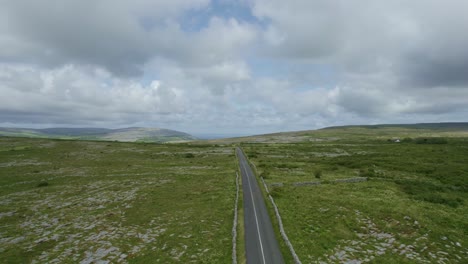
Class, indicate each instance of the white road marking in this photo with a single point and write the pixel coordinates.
(255, 213)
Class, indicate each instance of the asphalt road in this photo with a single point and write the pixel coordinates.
(261, 246)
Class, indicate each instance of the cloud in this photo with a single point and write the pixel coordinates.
(120, 37)
(422, 41)
(254, 65)
(73, 95)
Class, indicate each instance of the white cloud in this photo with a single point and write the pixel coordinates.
(282, 65)
(120, 36)
(70, 94)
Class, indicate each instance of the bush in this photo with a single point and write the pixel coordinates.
(367, 172)
(318, 173)
(407, 140)
(286, 166)
(438, 199)
(265, 174)
(43, 184)
(432, 140)
(429, 192)
(276, 192)
(189, 155)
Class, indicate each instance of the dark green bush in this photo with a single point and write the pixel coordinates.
(287, 166)
(318, 173)
(253, 155)
(429, 192)
(276, 191)
(431, 140)
(43, 184)
(369, 172)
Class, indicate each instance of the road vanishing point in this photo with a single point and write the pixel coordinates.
(261, 246)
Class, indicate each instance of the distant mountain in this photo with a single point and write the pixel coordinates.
(130, 134)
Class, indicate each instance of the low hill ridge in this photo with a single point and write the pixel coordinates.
(334, 132)
(448, 126)
(129, 134)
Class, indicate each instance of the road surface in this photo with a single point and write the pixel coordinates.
(261, 246)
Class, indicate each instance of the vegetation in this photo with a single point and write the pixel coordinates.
(318, 173)
(43, 184)
(372, 194)
(72, 201)
(132, 134)
(412, 208)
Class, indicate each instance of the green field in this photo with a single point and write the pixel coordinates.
(413, 207)
(83, 201)
(346, 195)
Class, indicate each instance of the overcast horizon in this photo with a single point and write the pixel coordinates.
(232, 67)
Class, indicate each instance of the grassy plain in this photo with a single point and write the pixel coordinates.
(412, 209)
(86, 202)
(83, 201)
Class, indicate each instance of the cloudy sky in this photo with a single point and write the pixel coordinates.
(233, 67)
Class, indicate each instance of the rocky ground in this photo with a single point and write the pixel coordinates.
(374, 242)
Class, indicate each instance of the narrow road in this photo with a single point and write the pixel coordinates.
(261, 246)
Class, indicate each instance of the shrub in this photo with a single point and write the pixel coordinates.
(318, 173)
(253, 155)
(437, 199)
(367, 172)
(43, 184)
(265, 174)
(429, 192)
(407, 140)
(276, 192)
(189, 155)
(287, 166)
(432, 140)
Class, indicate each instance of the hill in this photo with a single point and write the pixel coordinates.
(356, 131)
(448, 126)
(131, 134)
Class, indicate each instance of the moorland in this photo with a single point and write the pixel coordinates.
(377, 194)
(86, 201)
(381, 194)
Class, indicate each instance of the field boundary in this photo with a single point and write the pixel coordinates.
(314, 183)
(280, 223)
(234, 225)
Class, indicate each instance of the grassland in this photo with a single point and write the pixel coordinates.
(413, 207)
(86, 202)
(131, 134)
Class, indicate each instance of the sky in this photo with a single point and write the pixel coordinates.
(232, 67)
